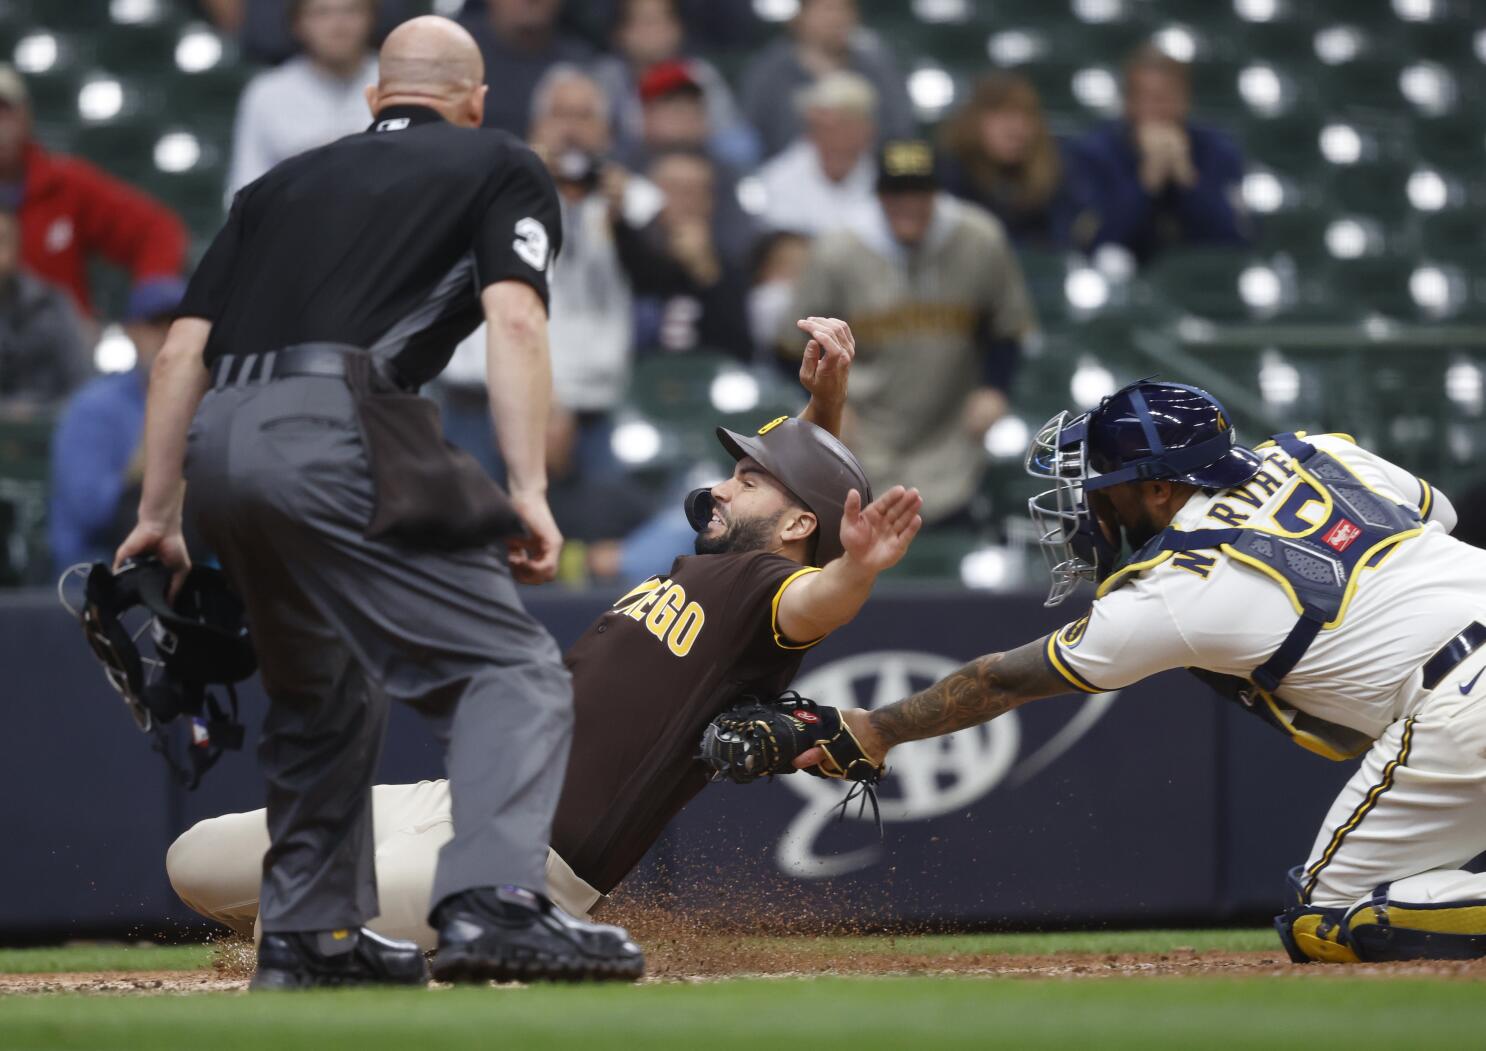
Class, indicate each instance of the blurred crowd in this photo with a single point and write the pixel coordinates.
(703, 214)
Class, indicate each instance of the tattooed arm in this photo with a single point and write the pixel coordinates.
(976, 693)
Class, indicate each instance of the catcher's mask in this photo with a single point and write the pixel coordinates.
(1144, 431)
(200, 638)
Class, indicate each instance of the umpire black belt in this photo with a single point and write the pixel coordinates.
(1448, 656)
(301, 359)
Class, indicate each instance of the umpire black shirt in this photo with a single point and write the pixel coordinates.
(381, 240)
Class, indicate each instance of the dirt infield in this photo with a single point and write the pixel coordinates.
(680, 951)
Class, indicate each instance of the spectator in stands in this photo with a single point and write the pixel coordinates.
(998, 153)
(595, 513)
(933, 293)
(592, 305)
(675, 117)
(521, 42)
(323, 89)
(1159, 179)
(825, 37)
(779, 259)
(826, 174)
(43, 355)
(72, 213)
(691, 296)
(96, 452)
(647, 35)
(264, 28)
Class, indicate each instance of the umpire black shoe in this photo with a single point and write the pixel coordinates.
(509, 934)
(331, 958)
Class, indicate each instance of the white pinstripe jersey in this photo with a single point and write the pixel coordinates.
(1205, 609)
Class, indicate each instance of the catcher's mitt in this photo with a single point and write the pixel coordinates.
(757, 738)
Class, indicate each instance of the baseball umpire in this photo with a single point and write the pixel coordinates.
(1313, 582)
(366, 550)
(786, 553)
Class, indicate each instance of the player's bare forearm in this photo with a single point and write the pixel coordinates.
(816, 605)
(873, 539)
(178, 381)
(519, 378)
(981, 690)
(825, 414)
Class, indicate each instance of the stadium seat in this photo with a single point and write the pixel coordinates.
(1220, 285)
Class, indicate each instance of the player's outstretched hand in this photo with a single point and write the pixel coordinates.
(164, 542)
(876, 537)
(533, 558)
(828, 358)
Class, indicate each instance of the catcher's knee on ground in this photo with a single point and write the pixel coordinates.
(1431, 916)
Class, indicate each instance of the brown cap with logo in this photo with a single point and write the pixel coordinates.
(810, 462)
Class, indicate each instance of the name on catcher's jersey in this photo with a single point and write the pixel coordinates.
(1205, 609)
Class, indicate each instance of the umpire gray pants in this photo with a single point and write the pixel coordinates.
(279, 483)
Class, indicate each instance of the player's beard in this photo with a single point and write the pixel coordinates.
(1137, 533)
(740, 535)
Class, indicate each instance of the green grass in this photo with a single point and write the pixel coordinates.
(877, 1013)
(105, 957)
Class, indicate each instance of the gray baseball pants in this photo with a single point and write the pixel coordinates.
(280, 486)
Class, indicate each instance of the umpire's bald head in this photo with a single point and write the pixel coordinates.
(431, 61)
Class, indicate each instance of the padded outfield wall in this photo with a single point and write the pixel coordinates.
(1157, 804)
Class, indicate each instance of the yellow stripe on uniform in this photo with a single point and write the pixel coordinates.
(1059, 665)
(1313, 874)
(779, 639)
(1426, 499)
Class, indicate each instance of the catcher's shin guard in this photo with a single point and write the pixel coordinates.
(1383, 929)
(1310, 933)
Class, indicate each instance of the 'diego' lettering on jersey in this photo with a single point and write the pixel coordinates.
(662, 606)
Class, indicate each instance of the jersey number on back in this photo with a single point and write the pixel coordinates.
(531, 243)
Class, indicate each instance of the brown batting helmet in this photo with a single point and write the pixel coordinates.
(812, 464)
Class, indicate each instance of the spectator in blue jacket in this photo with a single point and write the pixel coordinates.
(96, 463)
(1161, 180)
(998, 153)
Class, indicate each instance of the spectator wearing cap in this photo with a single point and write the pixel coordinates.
(71, 213)
(676, 118)
(520, 42)
(43, 354)
(826, 36)
(1160, 180)
(97, 461)
(933, 293)
(827, 173)
(312, 98)
(999, 153)
(649, 65)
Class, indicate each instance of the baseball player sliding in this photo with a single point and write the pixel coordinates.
(787, 551)
(1311, 581)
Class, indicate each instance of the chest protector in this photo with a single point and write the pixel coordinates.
(1318, 565)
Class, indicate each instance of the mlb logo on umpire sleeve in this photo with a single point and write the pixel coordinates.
(1340, 536)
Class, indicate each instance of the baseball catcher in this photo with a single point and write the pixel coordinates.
(787, 549)
(1317, 585)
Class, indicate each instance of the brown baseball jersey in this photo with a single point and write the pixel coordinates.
(648, 676)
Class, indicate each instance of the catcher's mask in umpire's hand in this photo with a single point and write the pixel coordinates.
(200, 638)
(1144, 431)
